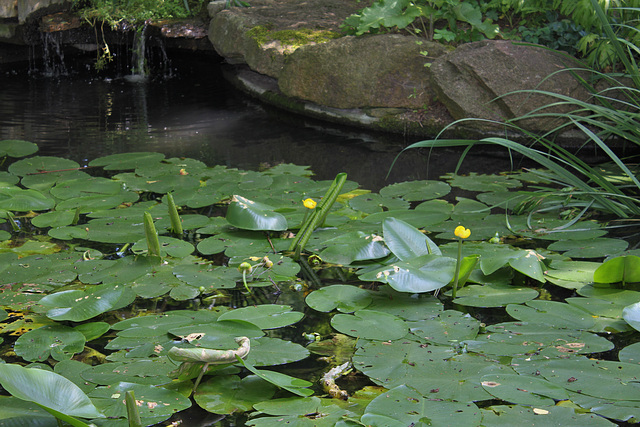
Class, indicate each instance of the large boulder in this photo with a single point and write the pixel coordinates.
(9, 9)
(263, 35)
(355, 72)
(490, 79)
(29, 8)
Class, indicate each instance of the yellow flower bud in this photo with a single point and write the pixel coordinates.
(309, 203)
(462, 232)
(267, 262)
(245, 266)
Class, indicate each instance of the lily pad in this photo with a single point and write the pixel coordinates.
(553, 313)
(17, 148)
(417, 190)
(448, 327)
(229, 394)
(344, 298)
(250, 215)
(403, 406)
(368, 324)
(291, 384)
(152, 401)
(267, 351)
(523, 390)
(48, 389)
(265, 316)
(77, 305)
(58, 341)
(494, 295)
(125, 161)
(591, 248)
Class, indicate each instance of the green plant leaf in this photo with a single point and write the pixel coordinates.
(344, 298)
(368, 324)
(229, 394)
(405, 241)
(291, 384)
(448, 327)
(523, 390)
(625, 269)
(125, 161)
(153, 401)
(494, 295)
(592, 248)
(58, 341)
(403, 406)
(47, 389)
(17, 148)
(77, 305)
(265, 316)
(267, 351)
(249, 215)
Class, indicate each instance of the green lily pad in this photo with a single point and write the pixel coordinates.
(291, 384)
(630, 354)
(447, 327)
(17, 148)
(403, 305)
(229, 394)
(571, 274)
(354, 246)
(523, 390)
(72, 370)
(168, 246)
(493, 295)
(405, 241)
(267, 351)
(553, 313)
(631, 314)
(625, 269)
(591, 248)
(344, 298)
(125, 161)
(598, 378)
(152, 401)
(502, 415)
(58, 341)
(414, 191)
(41, 164)
(372, 203)
(17, 199)
(48, 389)
(422, 274)
(482, 182)
(249, 215)
(265, 316)
(368, 324)
(54, 219)
(404, 406)
(77, 305)
(145, 371)
(16, 412)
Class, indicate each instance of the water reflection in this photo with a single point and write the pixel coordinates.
(197, 114)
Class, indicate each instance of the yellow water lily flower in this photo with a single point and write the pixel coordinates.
(309, 203)
(462, 232)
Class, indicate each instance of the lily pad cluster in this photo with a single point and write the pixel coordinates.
(123, 276)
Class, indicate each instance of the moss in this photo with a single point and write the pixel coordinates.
(295, 38)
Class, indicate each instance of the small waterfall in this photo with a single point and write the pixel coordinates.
(52, 55)
(139, 67)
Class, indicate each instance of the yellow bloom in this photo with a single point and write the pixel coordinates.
(462, 232)
(309, 203)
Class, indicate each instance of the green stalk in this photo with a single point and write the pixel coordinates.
(153, 244)
(133, 414)
(319, 214)
(176, 223)
(456, 276)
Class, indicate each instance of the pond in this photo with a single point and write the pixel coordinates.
(195, 113)
(135, 257)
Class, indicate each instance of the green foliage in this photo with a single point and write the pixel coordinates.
(64, 291)
(116, 12)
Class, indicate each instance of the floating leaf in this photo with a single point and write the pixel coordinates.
(404, 406)
(447, 327)
(625, 269)
(48, 389)
(152, 401)
(417, 190)
(58, 341)
(77, 305)
(229, 394)
(344, 298)
(405, 241)
(523, 390)
(291, 384)
(249, 215)
(591, 248)
(552, 313)
(124, 161)
(369, 324)
(265, 316)
(494, 295)
(17, 148)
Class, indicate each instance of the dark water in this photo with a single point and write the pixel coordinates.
(195, 113)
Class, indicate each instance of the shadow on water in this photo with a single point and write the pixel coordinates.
(195, 113)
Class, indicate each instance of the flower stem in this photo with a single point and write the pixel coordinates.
(456, 276)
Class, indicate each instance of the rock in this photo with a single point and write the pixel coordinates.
(9, 9)
(355, 72)
(28, 8)
(477, 80)
(263, 35)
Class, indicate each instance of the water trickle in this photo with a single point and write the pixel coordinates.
(139, 68)
(53, 55)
